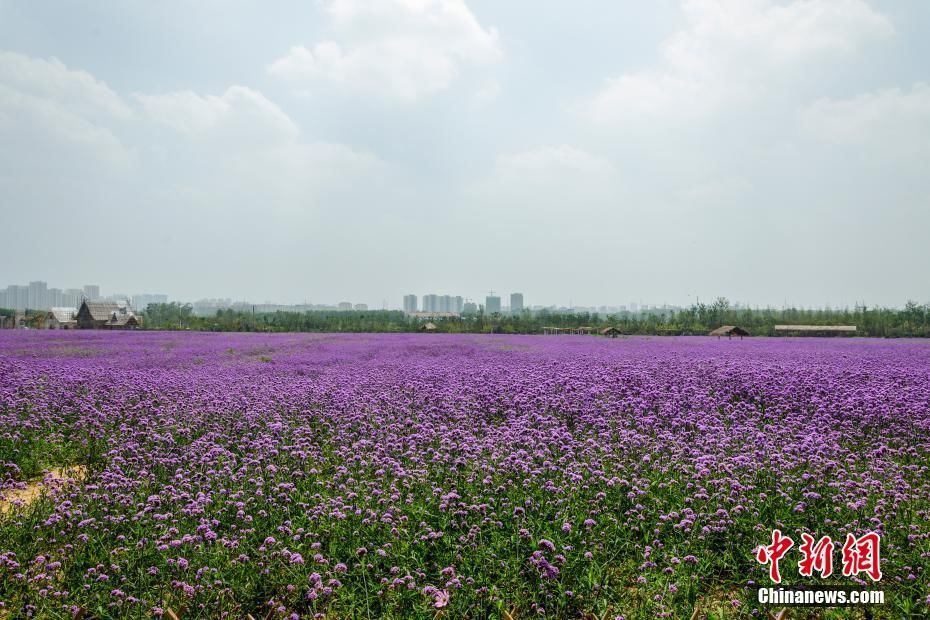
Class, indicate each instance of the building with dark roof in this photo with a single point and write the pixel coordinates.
(101, 314)
(729, 331)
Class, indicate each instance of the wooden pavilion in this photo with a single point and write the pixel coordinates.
(729, 331)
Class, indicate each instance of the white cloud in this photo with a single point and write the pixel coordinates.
(886, 119)
(242, 114)
(405, 49)
(52, 80)
(250, 151)
(63, 113)
(766, 33)
(731, 51)
(664, 96)
(298, 175)
(43, 117)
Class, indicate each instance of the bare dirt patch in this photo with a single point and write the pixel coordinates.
(13, 499)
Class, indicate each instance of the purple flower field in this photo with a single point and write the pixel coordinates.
(424, 476)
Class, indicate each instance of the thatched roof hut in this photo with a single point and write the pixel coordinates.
(611, 332)
(101, 314)
(729, 331)
(428, 327)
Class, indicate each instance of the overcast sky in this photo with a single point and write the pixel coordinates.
(598, 152)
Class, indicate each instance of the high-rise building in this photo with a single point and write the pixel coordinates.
(516, 303)
(17, 296)
(492, 304)
(361, 307)
(431, 303)
(469, 308)
(345, 305)
(92, 291)
(54, 298)
(38, 295)
(71, 297)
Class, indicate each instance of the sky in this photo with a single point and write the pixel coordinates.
(584, 152)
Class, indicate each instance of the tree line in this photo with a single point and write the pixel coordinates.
(911, 321)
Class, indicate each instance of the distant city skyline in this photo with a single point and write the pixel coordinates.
(33, 291)
(37, 295)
